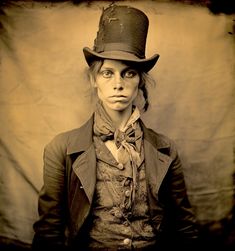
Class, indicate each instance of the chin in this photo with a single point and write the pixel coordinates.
(119, 107)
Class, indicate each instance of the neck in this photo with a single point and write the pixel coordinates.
(119, 118)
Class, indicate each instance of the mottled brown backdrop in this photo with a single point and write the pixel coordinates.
(43, 91)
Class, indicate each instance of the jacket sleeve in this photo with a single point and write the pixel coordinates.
(50, 228)
(182, 222)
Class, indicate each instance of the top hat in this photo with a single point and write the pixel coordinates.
(122, 36)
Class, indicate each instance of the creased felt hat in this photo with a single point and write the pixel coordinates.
(122, 36)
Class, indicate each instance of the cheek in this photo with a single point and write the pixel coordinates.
(135, 92)
(135, 87)
(102, 91)
(100, 83)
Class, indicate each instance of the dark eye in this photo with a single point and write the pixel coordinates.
(106, 73)
(130, 73)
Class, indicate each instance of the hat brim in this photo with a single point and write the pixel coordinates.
(145, 64)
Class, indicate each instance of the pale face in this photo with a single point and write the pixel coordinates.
(117, 85)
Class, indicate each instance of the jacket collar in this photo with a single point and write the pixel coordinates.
(80, 139)
(149, 135)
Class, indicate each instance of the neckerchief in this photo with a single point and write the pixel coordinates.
(128, 140)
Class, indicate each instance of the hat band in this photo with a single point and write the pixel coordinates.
(119, 47)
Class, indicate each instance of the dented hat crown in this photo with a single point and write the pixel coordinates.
(122, 36)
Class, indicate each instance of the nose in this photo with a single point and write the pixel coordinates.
(118, 82)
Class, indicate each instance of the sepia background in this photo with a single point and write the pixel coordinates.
(44, 91)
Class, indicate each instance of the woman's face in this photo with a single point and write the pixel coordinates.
(117, 85)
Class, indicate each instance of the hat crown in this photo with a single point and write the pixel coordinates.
(122, 28)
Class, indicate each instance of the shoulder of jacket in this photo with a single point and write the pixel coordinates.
(161, 139)
(160, 136)
(162, 142)
(63, 139)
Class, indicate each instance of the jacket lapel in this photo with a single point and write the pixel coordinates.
(156, 162)
(85, 169)
(80, 144)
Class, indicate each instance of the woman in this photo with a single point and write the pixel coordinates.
(112, 183)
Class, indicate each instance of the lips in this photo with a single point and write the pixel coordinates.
(118, 96)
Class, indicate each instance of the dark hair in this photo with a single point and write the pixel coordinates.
(145, 79)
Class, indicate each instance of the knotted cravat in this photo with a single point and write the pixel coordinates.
(128, 140)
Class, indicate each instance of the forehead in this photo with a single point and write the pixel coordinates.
(116, 64)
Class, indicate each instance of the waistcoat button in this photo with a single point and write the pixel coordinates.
(127, 193)
(120, 166)
(127, 241)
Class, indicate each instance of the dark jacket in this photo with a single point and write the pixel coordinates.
(69, 182)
